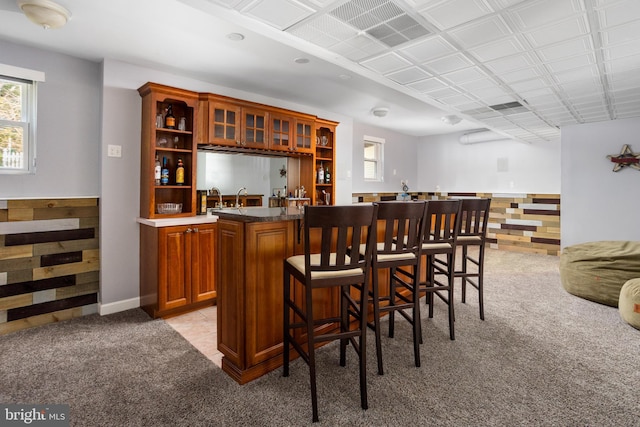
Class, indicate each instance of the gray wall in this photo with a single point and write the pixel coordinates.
(494, 167)
(68, 137)
(597, 203)
(399, 157)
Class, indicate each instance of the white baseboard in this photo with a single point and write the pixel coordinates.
(115, 307)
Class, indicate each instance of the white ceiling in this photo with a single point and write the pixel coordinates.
(522, 68)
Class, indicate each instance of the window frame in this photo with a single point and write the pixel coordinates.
(28, 121)
(378, 158)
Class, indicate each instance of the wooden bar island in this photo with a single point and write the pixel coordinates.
(252, 243)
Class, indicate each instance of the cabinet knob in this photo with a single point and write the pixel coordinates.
(195, 230)
(189, 230)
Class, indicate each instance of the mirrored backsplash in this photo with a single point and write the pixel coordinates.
(229, 172)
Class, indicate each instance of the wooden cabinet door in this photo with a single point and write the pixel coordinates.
(203, 261)
(304, 136)
(174, 251)
(281, 132)
(255, 128)
(225, 120)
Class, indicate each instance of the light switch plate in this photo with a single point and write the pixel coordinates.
(114, 150)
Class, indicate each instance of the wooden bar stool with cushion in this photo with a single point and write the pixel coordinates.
(439, 249)
(401, 222)
(334, 230)
(472, 234)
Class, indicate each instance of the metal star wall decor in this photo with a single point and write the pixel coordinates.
(625, 158)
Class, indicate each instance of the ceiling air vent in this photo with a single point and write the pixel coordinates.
(509, 108)
(381, 19)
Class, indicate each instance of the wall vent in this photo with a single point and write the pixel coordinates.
(509, 108)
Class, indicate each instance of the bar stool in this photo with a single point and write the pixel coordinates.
(472, 234)
(402, 222)
(439, 249)
(334, 229)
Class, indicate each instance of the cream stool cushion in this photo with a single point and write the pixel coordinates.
(629, 303)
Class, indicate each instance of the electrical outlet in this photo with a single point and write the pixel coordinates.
(114, 150)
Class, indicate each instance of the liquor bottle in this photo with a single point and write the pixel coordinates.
(164, 173)
(157, 171)
(321, 174)
(327, 176)
(170, 119)
(180, 172)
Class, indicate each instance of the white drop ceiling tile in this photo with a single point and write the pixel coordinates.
(542, 100)
(425, 50)
(498, 49)
(427, 85)
(448, 64)
(571, 63)
(558, 32)
(526, 94)
(510, 63)
(443, 93)
(621, 33)
(619, 13)
(469, 106)
(505, 3)
(628, 115)
(528, 85)
(326, 24)
(533, 14)
(519, 75)
(498, 99)
(456, 100)
(564, 49)
(465, 75)
(478, 84)
(481, 32)
(621, 50)
(409, 75)
(623, 64)
(486, 93)
(280, 14)
(448, 14)
(580, 74)
(386, 63)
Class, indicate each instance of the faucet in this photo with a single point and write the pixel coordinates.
(217, 190)
(238, 195)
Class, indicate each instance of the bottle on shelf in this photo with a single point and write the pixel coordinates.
(170, 119)
(321, 174)
(180, 172)
(164, 173)
(157, 171)
(327, 175)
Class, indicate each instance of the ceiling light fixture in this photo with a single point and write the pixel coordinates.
(45, 13)
(451, 119)
(236, 37)
(380, 111)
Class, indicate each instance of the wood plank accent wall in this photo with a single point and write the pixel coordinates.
(49, 261)
(517, 222)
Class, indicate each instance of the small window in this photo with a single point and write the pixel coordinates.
(373, 158)
(17, 119)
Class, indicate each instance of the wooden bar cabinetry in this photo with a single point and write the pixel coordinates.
(171, 144)
(177, 271)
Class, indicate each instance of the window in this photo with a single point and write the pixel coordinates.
(373, 158)
(17, 119)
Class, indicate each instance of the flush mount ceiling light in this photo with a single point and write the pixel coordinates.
(236, 37)
(451, 119)
(45, 13)
(380, 111)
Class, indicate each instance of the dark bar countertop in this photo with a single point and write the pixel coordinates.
(259, 214)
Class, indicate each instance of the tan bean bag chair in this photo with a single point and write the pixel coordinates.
(597, 270)
(629, 303)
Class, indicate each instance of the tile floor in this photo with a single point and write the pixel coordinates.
(199, 328)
